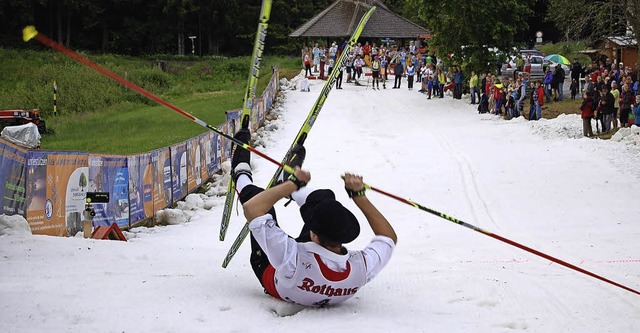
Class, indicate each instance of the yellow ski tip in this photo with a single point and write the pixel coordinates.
(29, 32)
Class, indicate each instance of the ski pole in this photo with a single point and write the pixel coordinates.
(30, 32)
(500, 238)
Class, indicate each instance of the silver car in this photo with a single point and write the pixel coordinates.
(537, 67)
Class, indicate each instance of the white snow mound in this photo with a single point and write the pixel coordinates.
(14, 225)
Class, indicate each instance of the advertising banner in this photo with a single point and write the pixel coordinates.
(57, 191)
(215, 152)
(226, 144)
(13, 179)
(179, 170)
(161, 174)
(204, 151)
(109, 173)
(140, 187)
(194, 173)
(146, 173)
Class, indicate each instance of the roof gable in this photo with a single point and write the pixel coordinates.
(341, 18)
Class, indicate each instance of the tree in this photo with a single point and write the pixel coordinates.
(595, 19)
(471, 31)
(589, 19)
(82, 182)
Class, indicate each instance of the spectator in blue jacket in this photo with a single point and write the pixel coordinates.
(548, 77)
(458, 77)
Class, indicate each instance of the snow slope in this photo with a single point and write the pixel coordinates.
(537, 183)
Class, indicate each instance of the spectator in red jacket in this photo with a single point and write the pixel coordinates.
(540, 103)
(587, 114)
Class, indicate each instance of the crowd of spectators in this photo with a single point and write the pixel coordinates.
(609, 90)
(612, 91)
(409, 63)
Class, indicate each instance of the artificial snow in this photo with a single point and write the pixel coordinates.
(14, 225)
(538, 183)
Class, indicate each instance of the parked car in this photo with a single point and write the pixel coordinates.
(537, 67)
(532, 52)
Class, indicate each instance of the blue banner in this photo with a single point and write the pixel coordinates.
(13, 179)
(215, 152)
(136, 209)
(179, 171)
(109, 173)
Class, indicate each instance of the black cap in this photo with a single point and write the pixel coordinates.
(333, 222)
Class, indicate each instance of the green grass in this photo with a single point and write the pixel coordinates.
(99, 115)
(128, 129)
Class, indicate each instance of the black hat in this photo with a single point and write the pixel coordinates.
(333, 222)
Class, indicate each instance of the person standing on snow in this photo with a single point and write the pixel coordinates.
(540, 101)
(616, 103)
(586, 113)
(562, 74)
(636, 112)
(316, 57)
(358, 64)
(473, 87)
(339, 79)
(411, 71)
(606, 103)
(375, 72)
(314, 269)
(458, 77)
(307, 65)
(323, 60)
(398, 71)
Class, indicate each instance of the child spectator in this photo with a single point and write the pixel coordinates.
(307, 64)
(430, 82)
(574, 88)
(424, 77)
(411, 71)
(503, 100)
(497, 96)
(358, 64)
(511, 105)
(483, 106)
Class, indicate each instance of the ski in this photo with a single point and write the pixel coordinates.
(254, 71)
(306, 126)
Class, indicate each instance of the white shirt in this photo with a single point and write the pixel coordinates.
(298, 263)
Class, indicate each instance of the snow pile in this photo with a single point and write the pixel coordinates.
(287, 85)
(564, 126)
(14, 225)
(171, 216)
(630, 135)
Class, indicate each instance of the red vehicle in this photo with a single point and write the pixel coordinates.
(21, 117)
(423, 41)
